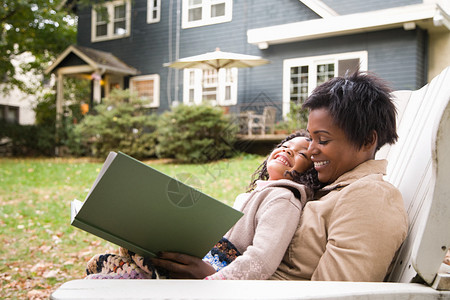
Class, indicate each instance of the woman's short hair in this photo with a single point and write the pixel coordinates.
(359, 104)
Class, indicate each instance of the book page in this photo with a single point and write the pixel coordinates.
(75, 207)
(108, 161)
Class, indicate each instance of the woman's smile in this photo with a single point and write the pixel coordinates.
(320, 164)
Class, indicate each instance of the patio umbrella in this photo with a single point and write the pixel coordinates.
(217, 60)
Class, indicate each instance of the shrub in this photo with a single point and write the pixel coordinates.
(65, 138)
(120, 123)
(297, 117)
(195, 134)
(46, 110)
(27, 140)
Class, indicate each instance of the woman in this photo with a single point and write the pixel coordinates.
(358, 223)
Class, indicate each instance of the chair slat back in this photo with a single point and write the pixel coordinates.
(411, 169)
(270, 114)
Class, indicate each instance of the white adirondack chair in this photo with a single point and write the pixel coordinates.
(419, 165)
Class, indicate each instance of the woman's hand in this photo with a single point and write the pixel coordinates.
(182, 266)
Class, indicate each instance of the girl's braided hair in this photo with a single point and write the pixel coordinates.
(308, 178)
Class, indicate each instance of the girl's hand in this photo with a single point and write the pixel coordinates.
(183, 266)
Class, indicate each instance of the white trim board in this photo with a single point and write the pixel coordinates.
(320, 8)
(349, 24)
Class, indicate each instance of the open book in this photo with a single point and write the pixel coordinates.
(141, 209)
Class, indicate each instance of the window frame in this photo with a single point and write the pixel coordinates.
(110, 35)
(151, 7)
(206, 19)
(193, 87)
(156, 87)
(6, 109)
(312, 62)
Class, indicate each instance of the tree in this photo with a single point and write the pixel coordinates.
(43, 28)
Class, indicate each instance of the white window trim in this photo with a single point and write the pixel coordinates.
(223, 85)
(206, 19)
(197, 86)
(312, 61)
(150, 9)
(156, 87)
(198, 89)
(110, 29)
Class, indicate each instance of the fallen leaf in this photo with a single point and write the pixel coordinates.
(45, 248)
(50, 274)
(38, 294)
(69, 262)
(96, 243)
(41, 267)
(37, 267)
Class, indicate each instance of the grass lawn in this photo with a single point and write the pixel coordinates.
(40, 250)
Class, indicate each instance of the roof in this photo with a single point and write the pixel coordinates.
(97, 59)
(430, 16)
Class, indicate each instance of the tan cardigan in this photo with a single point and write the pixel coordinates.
(351, 233)
(262, 235)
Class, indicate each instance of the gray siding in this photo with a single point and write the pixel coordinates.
(344, 7)
(398, 56)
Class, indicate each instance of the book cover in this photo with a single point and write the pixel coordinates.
(139, 208)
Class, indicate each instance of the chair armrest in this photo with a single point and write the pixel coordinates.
(241, 289)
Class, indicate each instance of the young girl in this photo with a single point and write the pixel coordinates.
(256, 244)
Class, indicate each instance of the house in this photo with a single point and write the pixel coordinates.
(124, 44)
(16, 106)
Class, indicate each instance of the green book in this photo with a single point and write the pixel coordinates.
(141, 209)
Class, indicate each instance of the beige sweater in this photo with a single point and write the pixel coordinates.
(351, 233)
(262, 235)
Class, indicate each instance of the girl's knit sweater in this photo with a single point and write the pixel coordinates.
(271, 216)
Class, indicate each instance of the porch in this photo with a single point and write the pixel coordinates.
(104, 70)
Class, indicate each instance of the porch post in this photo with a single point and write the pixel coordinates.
(59, 108)
(59, 99)
(97, 89)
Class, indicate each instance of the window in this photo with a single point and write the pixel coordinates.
(302, 75)
(210, 86)
(111, 20)
(9, 114)
(153, 11)
(147, 88)
(206, 12)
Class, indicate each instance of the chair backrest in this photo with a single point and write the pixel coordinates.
(270, 114)
(420, 169)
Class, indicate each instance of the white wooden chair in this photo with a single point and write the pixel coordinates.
(419, 165)
(263, 122)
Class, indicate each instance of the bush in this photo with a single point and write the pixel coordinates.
(27, 140)
(297, 117)
(46, 110)
(65, 137)
(195, 134)
(120, 123)
(42, 138)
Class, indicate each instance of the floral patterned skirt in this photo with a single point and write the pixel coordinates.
(222, 254)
